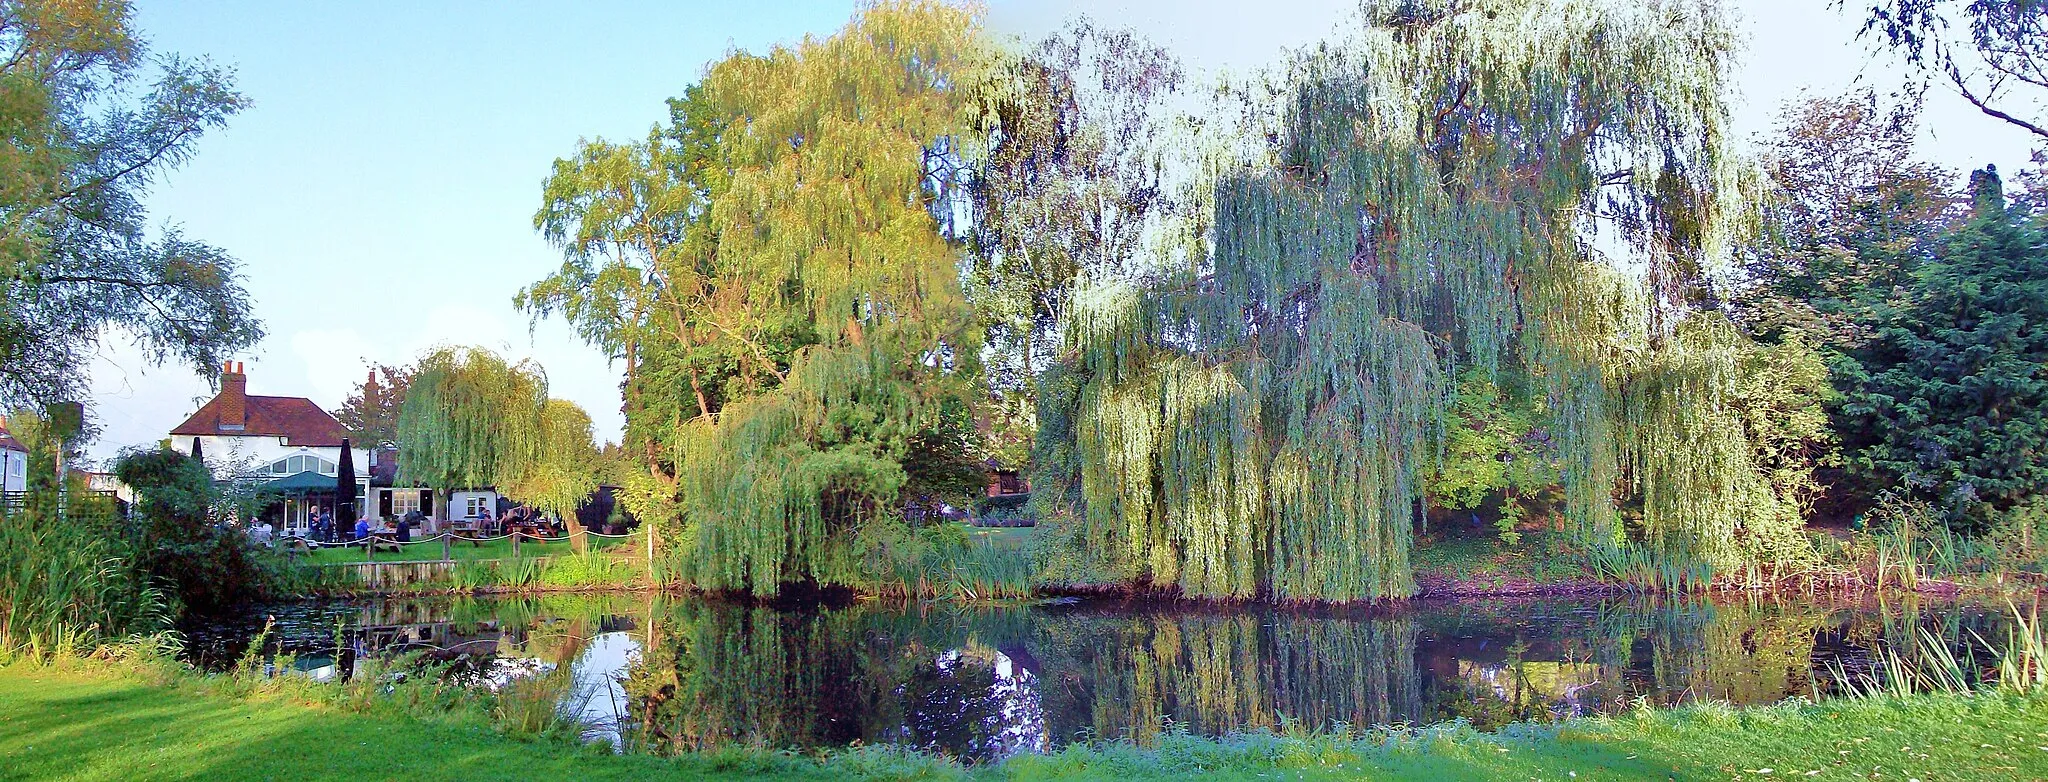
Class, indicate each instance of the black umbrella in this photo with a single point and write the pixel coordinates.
(345, 490)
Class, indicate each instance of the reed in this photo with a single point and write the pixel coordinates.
(2019, 665)
(1642, 569)
(69, 583)
(536, 705)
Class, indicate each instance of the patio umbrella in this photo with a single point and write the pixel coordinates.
(345, 490)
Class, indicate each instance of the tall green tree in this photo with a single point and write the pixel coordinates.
(829, 219)
(1950, 396)
(1850, 216)
(800, 359)
(564, 470)
(1541, 183)
(88, 119)
(470, 420)
(1066, 177)
(1068, 181)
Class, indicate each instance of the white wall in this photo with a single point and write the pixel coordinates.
(231, 455)
(13, 470)
(458, 503)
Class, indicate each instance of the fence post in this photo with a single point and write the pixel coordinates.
(370, 548)
(447, 550)
(648, 527)
(515, 543)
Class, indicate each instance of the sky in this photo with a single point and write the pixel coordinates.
(379, 193)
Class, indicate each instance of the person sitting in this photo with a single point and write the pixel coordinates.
(405, 528)
(362, 529)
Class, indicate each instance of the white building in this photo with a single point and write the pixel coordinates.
(13, 461)
(288, 441)
(296, 446)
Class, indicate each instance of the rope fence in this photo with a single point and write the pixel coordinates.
(448, 540)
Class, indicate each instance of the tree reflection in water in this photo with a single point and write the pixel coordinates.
(984, 682)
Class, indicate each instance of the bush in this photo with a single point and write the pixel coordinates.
(179, 530)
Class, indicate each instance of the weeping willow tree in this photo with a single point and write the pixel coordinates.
(1537, 186)
(471, 419)
(563, 470)
(825, 219)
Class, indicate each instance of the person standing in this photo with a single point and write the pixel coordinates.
(405, 528)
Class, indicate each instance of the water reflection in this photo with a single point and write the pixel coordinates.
(671, 675)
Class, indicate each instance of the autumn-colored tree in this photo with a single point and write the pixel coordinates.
(371, 411)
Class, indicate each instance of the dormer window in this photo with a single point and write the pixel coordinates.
(232, 427)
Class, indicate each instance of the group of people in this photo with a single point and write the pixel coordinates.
(323, 528)
(518, 518)
(326, 530)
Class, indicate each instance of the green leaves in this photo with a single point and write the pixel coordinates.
(1530, 188)
(78, 260)
(1948, 396)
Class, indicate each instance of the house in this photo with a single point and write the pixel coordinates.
(287, 442)
(13, 462)
(389, 500)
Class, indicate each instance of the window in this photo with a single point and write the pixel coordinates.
(403, 501)
(293, 465)
(479, 506)
(17, 466)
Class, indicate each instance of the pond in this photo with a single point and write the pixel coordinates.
(983, 682)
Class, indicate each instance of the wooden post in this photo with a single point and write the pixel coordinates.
(447, 551)
(370, 548)
(652, 579)
(515, 544)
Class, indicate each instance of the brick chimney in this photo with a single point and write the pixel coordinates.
(234, 397)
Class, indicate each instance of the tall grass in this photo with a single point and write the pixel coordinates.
(2019, 664)
(537, 705)
(947, 561)
(1641, 569)
(594, 569)
(68, 581)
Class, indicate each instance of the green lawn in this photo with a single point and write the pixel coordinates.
(431, 550)
(1012, 537)
(91, 725)
(1480, 558)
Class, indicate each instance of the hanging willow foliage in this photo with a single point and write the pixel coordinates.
(470, 419)
(563, 471)
(1537, 182)
(827, 219)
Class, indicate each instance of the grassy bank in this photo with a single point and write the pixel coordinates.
(78, 720)
(954, 562)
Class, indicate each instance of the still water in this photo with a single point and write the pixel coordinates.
(982, 682)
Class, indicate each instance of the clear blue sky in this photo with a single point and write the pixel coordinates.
(380, 191)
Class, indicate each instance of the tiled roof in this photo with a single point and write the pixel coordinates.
(295, 418)
(7, 441)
